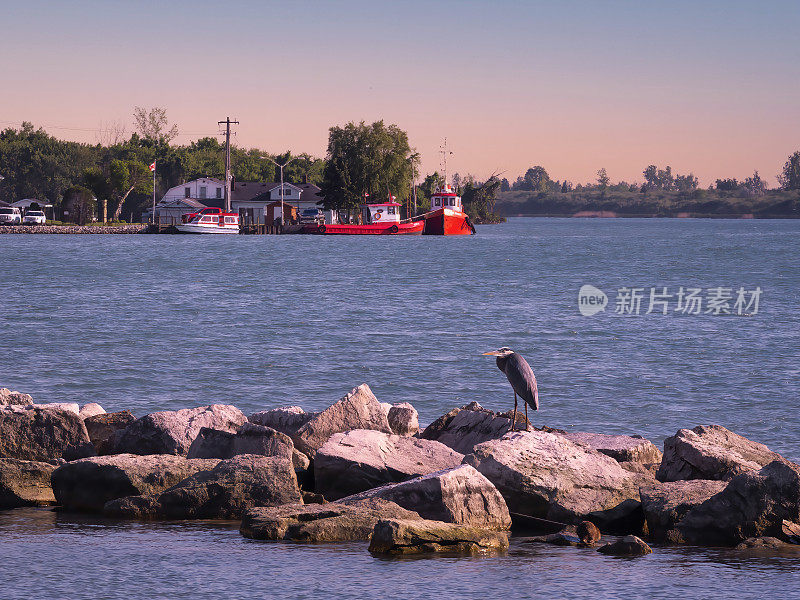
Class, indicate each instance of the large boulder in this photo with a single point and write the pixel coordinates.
(248, 439)
(362, 459)
(103, 429)
(751, 505)
(622, 448)
(42, 434)
(286, 419)
(173, 431)
(711, 452)
(332, 522)
(403, 419)
(25, 483)
(398, 536)
(89, 483)
(224, 492)
(547, 476)
(463, 428)
(460, 495)
(8, 397)
(665, 504)
(90, 410)
(359, 409)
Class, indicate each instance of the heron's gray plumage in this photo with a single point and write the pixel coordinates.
(521, 377)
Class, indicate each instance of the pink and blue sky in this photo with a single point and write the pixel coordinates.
(711, 87)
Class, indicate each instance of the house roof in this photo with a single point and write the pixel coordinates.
(26, 203)
(252, 191)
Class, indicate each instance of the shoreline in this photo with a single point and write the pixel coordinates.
(75, 229)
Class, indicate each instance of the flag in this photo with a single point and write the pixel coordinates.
(392, 198)
(153, 166)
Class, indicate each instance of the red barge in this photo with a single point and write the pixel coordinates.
(379, 219)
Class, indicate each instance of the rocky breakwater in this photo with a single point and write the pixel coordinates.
(359, 470)
(76, 229)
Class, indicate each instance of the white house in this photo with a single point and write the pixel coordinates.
(248, 198)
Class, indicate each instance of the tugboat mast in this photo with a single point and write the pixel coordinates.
(444, 152)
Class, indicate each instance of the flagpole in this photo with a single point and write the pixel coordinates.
(153, 216)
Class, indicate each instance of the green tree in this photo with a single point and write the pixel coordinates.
(754, 185)
(603, 180)
(536, 178)
(79, 205)
(153, 125)
(365, 159)
(686, 183)
(790, 176)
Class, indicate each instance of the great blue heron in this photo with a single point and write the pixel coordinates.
(521, 377)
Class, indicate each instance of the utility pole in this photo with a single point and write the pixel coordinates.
(228, 124)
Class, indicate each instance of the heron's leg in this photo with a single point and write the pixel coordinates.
(514, 420)
(527, 423)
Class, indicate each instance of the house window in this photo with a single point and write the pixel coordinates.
(219, 192)
(203, 191)
(187, 192)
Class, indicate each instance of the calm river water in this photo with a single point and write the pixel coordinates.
(146, 323)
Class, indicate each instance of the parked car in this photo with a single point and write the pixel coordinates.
(312, 215)
(34, 217)
(10, 216)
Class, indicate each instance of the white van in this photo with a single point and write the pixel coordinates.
(10, 216)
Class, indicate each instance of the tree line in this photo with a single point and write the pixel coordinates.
(661, 193)
(536, 179)
(364, 162)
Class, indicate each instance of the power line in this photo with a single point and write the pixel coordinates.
(105, 129)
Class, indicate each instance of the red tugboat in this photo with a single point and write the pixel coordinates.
(378, 219)
(447, 216)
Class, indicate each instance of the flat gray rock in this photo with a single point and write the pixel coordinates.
(173, 431)
(87, 484)
(355, 461)
(397, 536)
(711, 452)
(463, 428)
(459, 495)
(359, 409)
(331, 522)
(286, 419)
(547, 476)
(622, 448)
(25, 483)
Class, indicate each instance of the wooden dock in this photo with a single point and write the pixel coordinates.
(246, 227)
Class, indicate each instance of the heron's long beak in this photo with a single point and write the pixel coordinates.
(492, 353)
